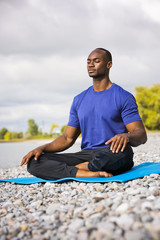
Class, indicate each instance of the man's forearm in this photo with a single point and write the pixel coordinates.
(59, 144)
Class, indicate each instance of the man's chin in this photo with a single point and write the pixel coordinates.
(92, 74)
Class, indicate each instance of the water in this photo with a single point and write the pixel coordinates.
(12, 153)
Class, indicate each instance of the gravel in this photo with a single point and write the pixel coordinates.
(74, 210)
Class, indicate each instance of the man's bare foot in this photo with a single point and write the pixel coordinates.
(105, 174)
(83, 166)
(84, 173)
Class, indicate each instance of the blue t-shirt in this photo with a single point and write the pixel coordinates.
(102, 115)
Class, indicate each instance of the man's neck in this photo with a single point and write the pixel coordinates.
(101, 84)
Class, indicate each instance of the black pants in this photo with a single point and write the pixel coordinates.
(54, 166)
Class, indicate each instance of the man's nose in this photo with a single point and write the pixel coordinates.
(91, 64)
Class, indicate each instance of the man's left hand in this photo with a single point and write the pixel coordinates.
(118, 142)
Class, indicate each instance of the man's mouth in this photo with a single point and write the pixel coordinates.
(91, 70)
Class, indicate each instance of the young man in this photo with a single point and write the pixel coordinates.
(108, 119)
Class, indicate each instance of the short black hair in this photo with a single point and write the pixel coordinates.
(109, 55)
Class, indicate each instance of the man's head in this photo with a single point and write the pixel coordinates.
(99, 62)
(108, 54)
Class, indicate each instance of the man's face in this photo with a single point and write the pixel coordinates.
(97, 64)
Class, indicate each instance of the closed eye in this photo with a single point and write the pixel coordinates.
(96, 60)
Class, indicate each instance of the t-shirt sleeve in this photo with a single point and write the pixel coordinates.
(129, 111)
(73, 117)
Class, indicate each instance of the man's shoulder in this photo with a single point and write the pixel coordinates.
(122, 96)
(79, 97)
(121, 91)
(81, 94)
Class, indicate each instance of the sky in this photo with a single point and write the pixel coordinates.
(44, 47)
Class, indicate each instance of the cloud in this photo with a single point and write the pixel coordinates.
(32, 77)
(66, 27)
(152, 9)
(45, 44)
(39, 87)
(44, 27)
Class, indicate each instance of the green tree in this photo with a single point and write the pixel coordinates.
(32, 128)
(17, 135)
(8, 136)
(3, 131)
(53, 126)
(148, 100)
(20, 135)
(63, 129)
(14, 135)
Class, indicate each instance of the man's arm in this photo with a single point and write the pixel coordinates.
(61, 143)
(136, 135)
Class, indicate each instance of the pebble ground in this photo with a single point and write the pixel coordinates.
(83, 211)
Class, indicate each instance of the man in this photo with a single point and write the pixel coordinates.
(108, 119)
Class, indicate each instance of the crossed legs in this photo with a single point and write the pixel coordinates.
(86, 163)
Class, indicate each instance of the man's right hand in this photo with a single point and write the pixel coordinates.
(61, 143)
(34, 153)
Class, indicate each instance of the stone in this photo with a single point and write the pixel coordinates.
(7, 204)
(122, 208)
(134, 235)
(76, 225)
(154, 191)
(82, 236)
(147, 205)
(147, 218)
(124, 221)
(107, 228)
(154, 175)
(132, 191)
(23, 227)
(73, 192)
(51, 209)
(18, 202)
(39, 196)
(100, 208)
(150, 198)
(78, 211)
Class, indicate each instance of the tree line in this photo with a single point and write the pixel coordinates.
(148, 101)
(33, 131)
(7, 135)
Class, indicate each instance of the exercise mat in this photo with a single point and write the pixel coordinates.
(144, 169)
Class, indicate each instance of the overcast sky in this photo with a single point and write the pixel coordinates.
(44, 45)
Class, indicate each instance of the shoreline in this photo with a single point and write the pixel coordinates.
(32, 139)
(52, 138)
(25, 140)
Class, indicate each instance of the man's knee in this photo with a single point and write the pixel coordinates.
(37, 167)
(115, 163)
(30, 166)
(121, 166)
(34, 167)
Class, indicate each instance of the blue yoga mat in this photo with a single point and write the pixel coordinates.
(139, 171)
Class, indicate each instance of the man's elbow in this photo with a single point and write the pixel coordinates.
(69, 140)
(144, 138)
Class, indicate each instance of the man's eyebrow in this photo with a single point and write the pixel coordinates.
(93, 58)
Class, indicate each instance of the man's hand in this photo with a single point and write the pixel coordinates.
(61, 143)
(118, 142)
(35, 152)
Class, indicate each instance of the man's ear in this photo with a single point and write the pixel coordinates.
(109, 64)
